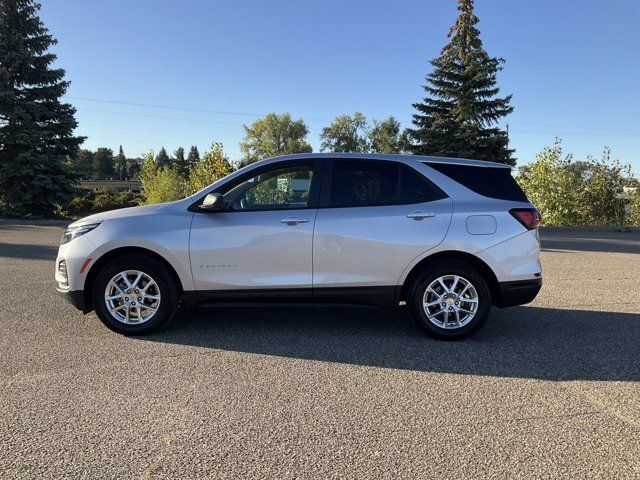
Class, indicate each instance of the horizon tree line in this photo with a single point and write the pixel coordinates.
(41, 158)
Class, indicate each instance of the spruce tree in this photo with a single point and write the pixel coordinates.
(121, 164)
(36, 129)
(180, 163)
(458, 116)
(194, 156)
(162, 159)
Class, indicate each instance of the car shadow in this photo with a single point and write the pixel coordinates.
(28, 251)
(613, 242)
(525, 342)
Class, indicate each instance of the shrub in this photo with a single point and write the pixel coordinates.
(634, 207)
(552, 186)
(571, 193)
(161, 184)
(213, 166)
(100, 200)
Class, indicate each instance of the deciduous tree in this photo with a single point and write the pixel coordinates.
(272, 136)
(386, 137)
(346, 134)
(213, 166)
(103, 163)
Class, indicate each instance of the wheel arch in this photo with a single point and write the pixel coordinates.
(468, 258)
(117, 252)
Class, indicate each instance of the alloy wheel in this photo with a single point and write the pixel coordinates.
(450, 301)
(132, 297)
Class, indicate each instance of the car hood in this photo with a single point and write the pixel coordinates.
(128, 212)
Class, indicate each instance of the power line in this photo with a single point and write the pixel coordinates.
(126, 114)
(257, 115)
(176, 107)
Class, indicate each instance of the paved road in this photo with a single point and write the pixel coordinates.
(549, 390)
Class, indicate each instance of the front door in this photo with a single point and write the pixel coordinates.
(263, 238)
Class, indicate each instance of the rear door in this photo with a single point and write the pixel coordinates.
(375, 217)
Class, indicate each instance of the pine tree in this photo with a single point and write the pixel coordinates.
(36, 129)
(194, 156)
(459, 115)
(179, 163)
(121, 164)
(162, 159)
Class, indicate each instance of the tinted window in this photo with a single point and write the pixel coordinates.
(359, 183)
(415, 188)
(278, 189)
(490, 182)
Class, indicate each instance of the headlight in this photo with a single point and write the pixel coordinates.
(75, 232)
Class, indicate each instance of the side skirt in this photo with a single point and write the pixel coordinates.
(329, 296)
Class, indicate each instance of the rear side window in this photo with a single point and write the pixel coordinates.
(415, 188)
(362, 183)
(357, 183)
(487, 181)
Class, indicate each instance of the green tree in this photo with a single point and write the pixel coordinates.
(121, 164)
(162, 159)
(161, 184)
(103, 163)
(82, 163)
(553, 186)
(634, 209)
(213, 166)
(458, 117)
(36, 129)
(386, 137)
(602, 182)
(346, 134)
(133, 168)
(272, 136)
(194, 156)
(180, 163)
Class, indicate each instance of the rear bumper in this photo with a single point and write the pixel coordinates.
(519, 292)
(75, 298)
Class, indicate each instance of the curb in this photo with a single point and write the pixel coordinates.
(589, 229)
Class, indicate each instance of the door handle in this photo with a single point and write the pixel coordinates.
(294, 220)
(418, 215)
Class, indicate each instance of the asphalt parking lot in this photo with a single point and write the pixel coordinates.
(547, 390)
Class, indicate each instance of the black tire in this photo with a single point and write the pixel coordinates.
(166, 284)
(432, 273)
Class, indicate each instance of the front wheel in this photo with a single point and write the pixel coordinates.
(134, 295)
(450, 300)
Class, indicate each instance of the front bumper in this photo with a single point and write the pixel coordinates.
(75, 298)
(519, 292)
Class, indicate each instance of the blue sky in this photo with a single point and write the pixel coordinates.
(571, 65)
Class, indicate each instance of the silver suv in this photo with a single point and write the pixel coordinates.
(447, 238)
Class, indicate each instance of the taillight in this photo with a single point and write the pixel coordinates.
(528, 217)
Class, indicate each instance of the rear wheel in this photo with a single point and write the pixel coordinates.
(134, 295)
(450, 300)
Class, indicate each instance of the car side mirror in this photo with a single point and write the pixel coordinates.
(212, 202)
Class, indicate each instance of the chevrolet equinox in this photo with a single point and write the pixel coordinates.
(447, 238)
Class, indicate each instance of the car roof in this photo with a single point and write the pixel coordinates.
(396, 157)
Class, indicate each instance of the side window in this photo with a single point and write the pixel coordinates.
(358, 183)
(415, 188)
(281, 189)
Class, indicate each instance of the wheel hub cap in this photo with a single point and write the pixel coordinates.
(132, 297)
(450, 301)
